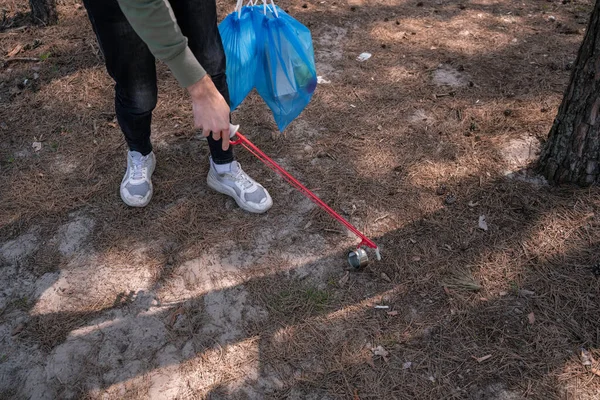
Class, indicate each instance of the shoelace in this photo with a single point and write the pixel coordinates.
(138, 167)
(243, 178)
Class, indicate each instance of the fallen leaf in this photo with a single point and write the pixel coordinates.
(37, 146)
(525, 292)
(392, 313)
(595, 371)
(344, 279)
(15, 51)
(112, 124)
(416, 258)
(385, 277)
(482, 359)
(473, 204)
(380, 351)
(482, 223)
(18, 329)
(369, 361)
(174, 316)
(356, 394)
(586, 357)
(531, 318)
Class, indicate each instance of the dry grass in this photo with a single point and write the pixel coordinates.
(377, 144)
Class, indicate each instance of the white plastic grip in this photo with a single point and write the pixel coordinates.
(233, 129)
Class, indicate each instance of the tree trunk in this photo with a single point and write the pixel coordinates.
(44, 12)
(572, 152)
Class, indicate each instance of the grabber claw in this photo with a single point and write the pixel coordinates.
(357, 258)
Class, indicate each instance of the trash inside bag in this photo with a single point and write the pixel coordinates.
(286, 76)
(239, 42)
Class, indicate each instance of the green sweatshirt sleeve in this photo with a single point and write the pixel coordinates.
(155, 23)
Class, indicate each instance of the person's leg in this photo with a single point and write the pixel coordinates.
(132, 66)
(198, 22)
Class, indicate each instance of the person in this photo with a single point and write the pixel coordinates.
(184, 34)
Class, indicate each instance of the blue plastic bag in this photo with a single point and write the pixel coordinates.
(239, 42)
(286, 76)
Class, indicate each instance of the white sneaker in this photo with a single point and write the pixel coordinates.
(136, 187)
(247, 193)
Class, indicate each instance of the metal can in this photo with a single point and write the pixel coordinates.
(358, 258)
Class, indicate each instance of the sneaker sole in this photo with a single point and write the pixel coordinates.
(216, 185)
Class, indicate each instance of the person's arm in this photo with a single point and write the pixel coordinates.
(155, 23)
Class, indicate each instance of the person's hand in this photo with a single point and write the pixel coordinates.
(211, 112)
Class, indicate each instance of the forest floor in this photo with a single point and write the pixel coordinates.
(489, 278)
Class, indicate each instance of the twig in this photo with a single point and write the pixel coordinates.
(380, 218)
(357, 96)
(18, 28)
(18, 59)
(437, 96)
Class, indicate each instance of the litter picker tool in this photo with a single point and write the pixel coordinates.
(357, 258)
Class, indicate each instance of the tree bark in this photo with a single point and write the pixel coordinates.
(572, 152)
(43, 12)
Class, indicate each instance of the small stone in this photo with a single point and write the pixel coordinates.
(441, 190)
(450, 199)
(552, 18)
(3, 126)
(406, 365)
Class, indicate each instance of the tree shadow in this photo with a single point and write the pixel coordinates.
(317, 338)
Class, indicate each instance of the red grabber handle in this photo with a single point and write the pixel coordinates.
(248, 145)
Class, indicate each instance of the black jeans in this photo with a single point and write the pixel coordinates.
(132, 66)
